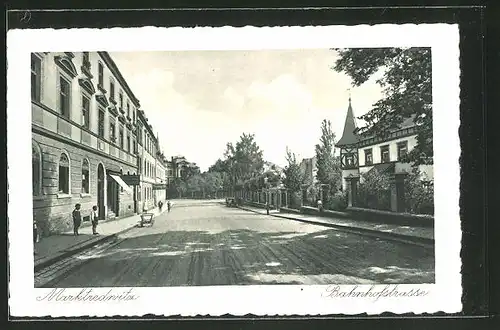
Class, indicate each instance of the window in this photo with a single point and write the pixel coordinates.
(85, 177)
(100, 126)
(121, 100)
(101, 74)
(349, 160)
(135, 147)
(133, 115)
(36, 163)
(112, 131)
(121, 137)
(384, 154)
(112, 90)
(402, 149)
(85, 111)
(145, 168)
(128, 143)
(36, 71)
(128, 109)
(64, 174)
(86, 59)
(368, 157)
(64, 96)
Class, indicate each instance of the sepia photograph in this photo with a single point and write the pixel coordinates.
(116, 152)
(228, 168)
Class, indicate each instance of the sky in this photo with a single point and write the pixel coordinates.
(198, 101)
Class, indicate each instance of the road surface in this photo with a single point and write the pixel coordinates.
(200, 243)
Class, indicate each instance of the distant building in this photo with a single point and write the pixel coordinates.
(360, 155)
(180, 167)
(147, 158)
(160, 186)
(309, 169)
(83, 137)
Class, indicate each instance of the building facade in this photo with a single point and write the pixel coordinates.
(147, 149)
(360, 155)
(309, 169)
(160, 187)
(83, 138)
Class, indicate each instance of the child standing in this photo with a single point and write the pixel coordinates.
(77, 219)
(94, 219)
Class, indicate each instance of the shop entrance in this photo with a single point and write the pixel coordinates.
(100, 191)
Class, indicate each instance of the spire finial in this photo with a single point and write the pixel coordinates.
(349, 90)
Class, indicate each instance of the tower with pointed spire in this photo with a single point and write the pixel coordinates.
(348, 146)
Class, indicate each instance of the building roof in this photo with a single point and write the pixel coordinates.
(350, 126)
(348, 136)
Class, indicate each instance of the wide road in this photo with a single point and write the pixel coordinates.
(200, 243)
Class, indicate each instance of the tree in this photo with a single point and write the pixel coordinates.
(293, 175)
(407, 88)
(244, 160)
(327, 164)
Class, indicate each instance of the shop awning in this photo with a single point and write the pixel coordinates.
(122, 183)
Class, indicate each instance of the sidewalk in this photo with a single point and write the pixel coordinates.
(415, 235)
(56, 247)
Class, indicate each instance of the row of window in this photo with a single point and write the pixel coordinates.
(402, 149)
(63, 173)
(64, 104)
(100, 70)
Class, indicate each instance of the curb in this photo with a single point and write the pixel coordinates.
(79, 247)
(415, 240)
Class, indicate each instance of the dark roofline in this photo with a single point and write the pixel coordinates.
(116, 72)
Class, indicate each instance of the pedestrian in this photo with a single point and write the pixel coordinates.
(169, 205)
(94, 219)
(77, 219)
(320, 206)
(160, 205)
(35, 236)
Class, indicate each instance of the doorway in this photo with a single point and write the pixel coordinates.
(100, 192)
(112, 200)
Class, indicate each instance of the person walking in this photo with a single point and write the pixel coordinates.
(35, 236)
(77, 219)
(160, 205)
(169, 205)
(94, 220)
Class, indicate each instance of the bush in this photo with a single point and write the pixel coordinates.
(419, 195)
(312, 194)
(295, 200)
(337, 202)
(374, 191)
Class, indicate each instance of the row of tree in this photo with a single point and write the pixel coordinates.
(406, 83)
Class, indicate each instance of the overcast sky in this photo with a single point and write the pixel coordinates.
(198, 101)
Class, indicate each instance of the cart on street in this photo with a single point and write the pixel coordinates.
(147, 218)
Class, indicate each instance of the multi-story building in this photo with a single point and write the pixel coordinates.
(83, 115)
(147, 159)
(362, 154)
(160, 187)
(181, 167)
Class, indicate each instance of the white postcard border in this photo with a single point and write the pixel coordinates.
(444, 295)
